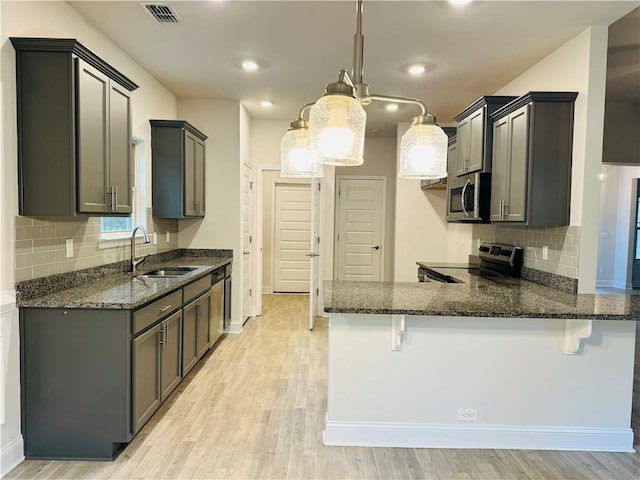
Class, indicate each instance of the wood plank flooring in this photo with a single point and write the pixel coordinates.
(254, 408)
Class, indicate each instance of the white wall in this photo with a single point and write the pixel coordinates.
(151, 100)
(221, 227)
(380, 160)
(617, 226)
(421, 231)
(578, 66)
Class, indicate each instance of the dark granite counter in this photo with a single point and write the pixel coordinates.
(478, 296)
(125, 291)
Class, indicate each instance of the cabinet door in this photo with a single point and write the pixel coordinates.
(146, 377)
(199, 178)
(170, 355)
(120, 171)
(227, 301)
(189, 175)
(452, 160)
(204, 310)
(462, 159)
(516, 203)
(500, 168)
(475, 160)
(93, 139)
(189, 337)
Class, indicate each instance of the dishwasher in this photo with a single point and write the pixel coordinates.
(216, 315)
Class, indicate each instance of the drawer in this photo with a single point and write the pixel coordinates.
(217, 275)
(156, 310)
(196, 288)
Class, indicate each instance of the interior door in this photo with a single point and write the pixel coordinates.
(360, 229)
(292, 231)
(314, 251)
(247, 239)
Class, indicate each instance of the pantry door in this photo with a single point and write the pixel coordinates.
(291, 238)
(360, 217)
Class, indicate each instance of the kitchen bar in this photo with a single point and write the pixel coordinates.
(479, 364)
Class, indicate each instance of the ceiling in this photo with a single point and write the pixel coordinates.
(469, 51)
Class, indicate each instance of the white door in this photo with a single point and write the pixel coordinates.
(247, 238)
(292, 233)
(360, 229)
(314, 252)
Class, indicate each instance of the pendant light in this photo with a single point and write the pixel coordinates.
(298, 159)
(337, 124)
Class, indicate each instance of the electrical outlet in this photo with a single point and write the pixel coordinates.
(155, 238)
(68, 247)
(467, 414)
(604, 235)
(545, 252)
(168, 236)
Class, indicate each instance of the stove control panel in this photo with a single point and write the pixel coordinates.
(496, 252)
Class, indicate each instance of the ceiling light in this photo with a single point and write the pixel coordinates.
(459, 2)
(250, 65)
(416, 69)
(392, 107)
(266, 103)
(337, 121)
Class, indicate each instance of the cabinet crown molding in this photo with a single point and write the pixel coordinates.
(72, 46)
(533, 97)
(495, 101)
(179, 124)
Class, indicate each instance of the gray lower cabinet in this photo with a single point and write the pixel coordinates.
(156, 367)
(178, 173)
(91, 379)
(532, 146)
(74, 131)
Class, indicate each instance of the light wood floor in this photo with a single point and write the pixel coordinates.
(254, 408)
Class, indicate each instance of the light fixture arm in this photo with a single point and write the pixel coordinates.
(390, 99)
(305, 109)
(358, 46)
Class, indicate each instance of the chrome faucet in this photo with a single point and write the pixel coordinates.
(136, 261)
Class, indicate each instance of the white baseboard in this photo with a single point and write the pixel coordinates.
(622, 285)
(234, 328)
(406, 435)
(604, 284)
(266, 290)
(11, 456)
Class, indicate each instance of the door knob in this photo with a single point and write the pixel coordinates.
(376, 247)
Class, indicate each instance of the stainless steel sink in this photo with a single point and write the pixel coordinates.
(169, 272)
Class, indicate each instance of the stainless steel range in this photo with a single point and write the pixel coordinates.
(496, 260)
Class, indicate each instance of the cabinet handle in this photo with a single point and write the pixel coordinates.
(165, 308)
(506, 209)
(198, 309)
(501, 210)
(115, 198)
(166, 336)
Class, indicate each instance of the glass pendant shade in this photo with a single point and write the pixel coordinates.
(423, 152)
(337, 125)
(297, 158)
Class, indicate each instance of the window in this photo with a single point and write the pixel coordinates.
(120, 227)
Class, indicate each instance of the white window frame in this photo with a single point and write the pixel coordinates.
(138, 214)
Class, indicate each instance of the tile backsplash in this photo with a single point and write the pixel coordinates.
(563, 243)
(40, 244)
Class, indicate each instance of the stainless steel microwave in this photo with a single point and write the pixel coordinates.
(469, 198)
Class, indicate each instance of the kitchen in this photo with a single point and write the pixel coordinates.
(229, 128)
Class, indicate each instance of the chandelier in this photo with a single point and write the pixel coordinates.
(334, 132)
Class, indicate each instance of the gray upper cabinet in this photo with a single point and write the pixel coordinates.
(178, 176)
(533, 141)
(74, 131)
(474, 136)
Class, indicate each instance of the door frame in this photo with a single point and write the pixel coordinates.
(336, 219)
(274, 184)
(252, 277)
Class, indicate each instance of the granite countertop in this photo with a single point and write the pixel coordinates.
(124, 291)
(476, 297)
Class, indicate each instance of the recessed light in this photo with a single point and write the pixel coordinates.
(266, 103)
(250, 65)
(375, 130)
(417, 69)
(392, 107)
(459, 2)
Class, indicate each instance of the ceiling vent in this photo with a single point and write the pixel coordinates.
(161, 12)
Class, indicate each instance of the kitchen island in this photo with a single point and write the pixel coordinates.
(482, 364)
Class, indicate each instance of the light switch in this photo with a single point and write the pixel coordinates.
(69, 247)
(545, 252)
(155, 238)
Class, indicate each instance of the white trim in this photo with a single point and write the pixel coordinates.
(623, 285)
(604, 284)
(7, 301)
(234, 328)
(11, 456)
(408, 435)
(266, 289)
